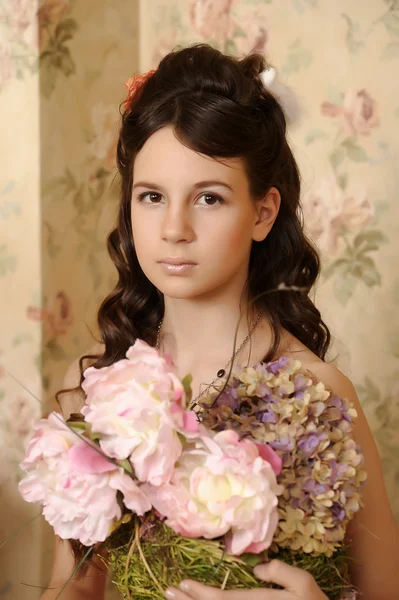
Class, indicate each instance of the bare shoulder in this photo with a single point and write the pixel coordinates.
(72, 400)
(373, 534)
(327, 373)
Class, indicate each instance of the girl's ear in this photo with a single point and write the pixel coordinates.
(267, 210)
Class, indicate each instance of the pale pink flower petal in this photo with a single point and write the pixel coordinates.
(270, 456)
(75, 484)
(86, 459)
(360, 112)
(190, 424)
(133, 496)
(221, 485)
(138, 407)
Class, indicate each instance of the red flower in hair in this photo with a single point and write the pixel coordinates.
(134, 85)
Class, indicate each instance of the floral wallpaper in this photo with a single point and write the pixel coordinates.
(63, 64)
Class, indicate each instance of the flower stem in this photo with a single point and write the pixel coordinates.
(143, 558)
(127, 564)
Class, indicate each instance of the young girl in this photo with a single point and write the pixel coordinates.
(208, 220)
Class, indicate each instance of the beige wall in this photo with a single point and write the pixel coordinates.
(59, 126)
(20, 283)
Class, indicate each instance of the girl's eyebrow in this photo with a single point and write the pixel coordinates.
(199, 184)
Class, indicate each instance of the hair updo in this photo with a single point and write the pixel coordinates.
(219, 107)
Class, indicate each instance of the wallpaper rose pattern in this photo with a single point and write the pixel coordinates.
(62, 68)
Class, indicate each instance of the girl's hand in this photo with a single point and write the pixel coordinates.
(297, 584)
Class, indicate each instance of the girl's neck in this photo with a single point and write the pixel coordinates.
(194, 332)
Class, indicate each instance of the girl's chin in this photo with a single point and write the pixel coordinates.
(179, 289)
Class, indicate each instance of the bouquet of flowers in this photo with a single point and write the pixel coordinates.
(266, 468)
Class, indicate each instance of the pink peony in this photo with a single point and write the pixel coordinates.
(359, 112)
(222, 485)
(211, 19)
(329, 211)
(256, 33)
(138, 406)
(57, 315)
(76, 484)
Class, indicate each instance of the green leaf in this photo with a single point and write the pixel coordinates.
(297, 58)
(175, 18)
(391, 50)
(369, 393)
(21, 338)
(382, 414)
(252, 559)
(239, 32)
(392, 4)
(355, 152)
(187, 381)
(65, 30)
(368, 241)
(336, 157)
(62, 185)
(78, 426)
(126, 518)
(343, 181)
(78, 199)
(353, 42)
(52, 185)
(8, 261)
(372, 389)
(56, 352)
(48, 77)
(51, 245)
(315, 134)
(330, 269)
(391, 22)
(230, 47)
(126, 466)
(66, 63)
(344, 284)
(367, 271)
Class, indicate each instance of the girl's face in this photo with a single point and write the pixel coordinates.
(193, 219)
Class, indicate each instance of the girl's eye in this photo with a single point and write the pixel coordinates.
(212, 199)
(153, 197)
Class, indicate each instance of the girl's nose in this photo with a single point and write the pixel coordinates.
(177, 226)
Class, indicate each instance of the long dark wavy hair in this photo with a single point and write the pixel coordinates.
(217, 106)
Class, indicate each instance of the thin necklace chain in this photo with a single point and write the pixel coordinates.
(222, 372)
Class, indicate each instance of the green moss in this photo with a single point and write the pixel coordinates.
(145, 559)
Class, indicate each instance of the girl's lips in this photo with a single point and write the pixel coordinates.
(177, 261)
(177, 268)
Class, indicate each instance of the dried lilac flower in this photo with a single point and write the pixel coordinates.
(310, 428)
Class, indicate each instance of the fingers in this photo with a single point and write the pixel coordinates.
(289, 577)
(193, 590)
(175, 594)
